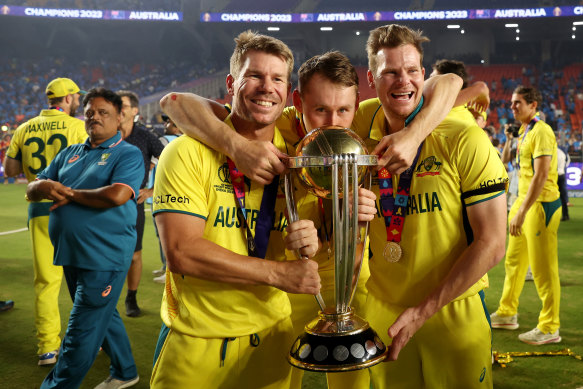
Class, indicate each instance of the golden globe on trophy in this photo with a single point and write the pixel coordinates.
(332, 162)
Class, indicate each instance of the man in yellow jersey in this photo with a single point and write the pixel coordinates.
(34, 145)
(473, 99)
(533, 222)
(440, 229)
(327, 94)
(225, 308)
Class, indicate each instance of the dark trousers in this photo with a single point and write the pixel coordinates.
(562, 182)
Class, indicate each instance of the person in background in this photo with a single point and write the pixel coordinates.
(34, 145)
(136, 134)
(533, 222)
(92, 188)
(563, 161)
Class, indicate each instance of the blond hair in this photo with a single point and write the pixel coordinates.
(391, 36)
(251, 41)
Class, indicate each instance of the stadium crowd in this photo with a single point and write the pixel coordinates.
(22, 81)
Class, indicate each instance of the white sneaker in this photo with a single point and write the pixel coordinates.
(161, 279)
(114, 383)
(537, 337)
(504, 322)
(159, 272)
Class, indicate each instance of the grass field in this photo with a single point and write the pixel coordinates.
(18, 360)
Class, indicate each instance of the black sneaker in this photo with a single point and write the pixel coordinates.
(6, 305)
(132, 309)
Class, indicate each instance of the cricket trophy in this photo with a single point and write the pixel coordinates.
(332, 162)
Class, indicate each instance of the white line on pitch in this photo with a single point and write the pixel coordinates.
(13, 231)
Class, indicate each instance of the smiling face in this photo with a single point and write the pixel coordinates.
(325, 103)
(522, 110)
(260, 89)
(398, 81)
(101, 120)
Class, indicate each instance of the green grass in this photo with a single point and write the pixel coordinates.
(17, 333)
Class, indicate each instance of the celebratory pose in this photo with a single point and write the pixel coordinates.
(225, 310)
(440, 229)
(93, 187)
(533, 222)
(34, 145)
(327, 94)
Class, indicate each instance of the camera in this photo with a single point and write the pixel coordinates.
(513, 129)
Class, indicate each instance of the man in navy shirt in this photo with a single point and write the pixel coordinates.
(92, 227)
(136, 134)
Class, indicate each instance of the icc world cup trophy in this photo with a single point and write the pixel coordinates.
(332, 162)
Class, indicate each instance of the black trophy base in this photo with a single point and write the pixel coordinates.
(337, 342)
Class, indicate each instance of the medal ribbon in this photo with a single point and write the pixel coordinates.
(530, 125)
(394, 208)
(256, 246)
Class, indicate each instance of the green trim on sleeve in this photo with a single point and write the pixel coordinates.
(486, 199)
(176, 211)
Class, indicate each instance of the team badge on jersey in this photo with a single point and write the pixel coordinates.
(430, 166)
(223, 173)
(73, 158)
(104, 158)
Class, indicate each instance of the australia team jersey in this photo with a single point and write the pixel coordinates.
(462, 113)
(539, 141)
(36, 142)
(457, 168)
(193, 179)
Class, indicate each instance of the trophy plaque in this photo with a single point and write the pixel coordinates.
(332, 162)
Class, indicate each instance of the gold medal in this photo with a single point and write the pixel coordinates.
(393, 252)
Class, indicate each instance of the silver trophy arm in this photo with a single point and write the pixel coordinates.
(293, 216)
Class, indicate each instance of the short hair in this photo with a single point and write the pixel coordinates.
(490, 130)
(391, 36)
(530, 95)
(134, 99)
(444, 66)
(56, 100)
(332, 65)
(106, 94)
(251, 41)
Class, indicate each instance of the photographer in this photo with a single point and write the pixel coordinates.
(533, 221)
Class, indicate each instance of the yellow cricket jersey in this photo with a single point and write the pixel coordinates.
(36, 142)
(194, 179)
(462, 113)
(457, 167)
(539, 141)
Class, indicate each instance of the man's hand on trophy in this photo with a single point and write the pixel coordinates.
(302, 236)
(397, 151)
(259, 160)
(366, 205)
(299, 276)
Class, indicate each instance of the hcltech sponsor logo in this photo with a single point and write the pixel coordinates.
(171, 199)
